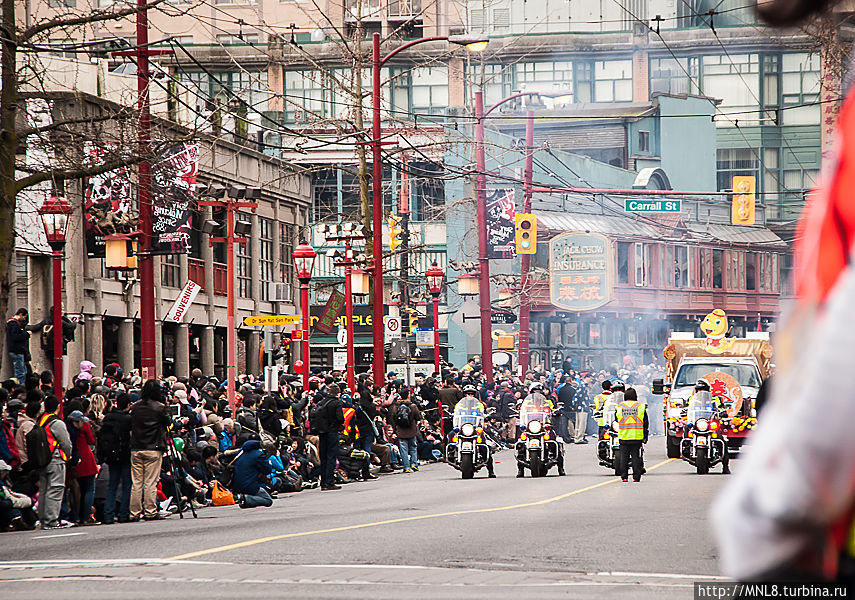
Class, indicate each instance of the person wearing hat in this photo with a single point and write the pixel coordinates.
(16, 510)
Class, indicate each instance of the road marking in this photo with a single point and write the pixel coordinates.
(473, 511)
(98, 562)
(58, 535)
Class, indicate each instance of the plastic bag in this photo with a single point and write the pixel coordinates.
(221, 496)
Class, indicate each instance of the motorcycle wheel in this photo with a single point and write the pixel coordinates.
(672, 444)
(467, 466)
(534, 463)
(702, 462)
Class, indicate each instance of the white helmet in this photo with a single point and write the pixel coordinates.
(535, 386)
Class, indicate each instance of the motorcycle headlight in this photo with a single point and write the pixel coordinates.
(468, 429)
(615, 426)
(535, 426)
(702, 424)
(674, 413)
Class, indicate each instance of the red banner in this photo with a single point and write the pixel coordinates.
(331, 312)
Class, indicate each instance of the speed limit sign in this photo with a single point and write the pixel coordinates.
(392, 326)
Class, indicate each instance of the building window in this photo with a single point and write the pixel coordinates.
(244, 268)
(286, 249)
(233, 39)
(644, 141)
(717, 269)
(428, 89)
(682, 267)
(594, 334)
(170, 271)
(613, 81)
(735, 79)
(623, 262)
(750, 266)
(265, 258)
(674, 76)
(498, 81)
(731, 162)
(642, 268)
(249, 86)
(546, 76)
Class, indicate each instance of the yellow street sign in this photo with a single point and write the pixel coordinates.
(271, 320)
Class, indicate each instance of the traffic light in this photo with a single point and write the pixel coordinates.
(414, 323)
(395, 231)
(526, 233)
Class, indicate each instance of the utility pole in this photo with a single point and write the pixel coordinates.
(404, 212)
(141, 53)
(483, 261)
(525, 259)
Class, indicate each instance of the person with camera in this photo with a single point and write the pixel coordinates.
(149, 425)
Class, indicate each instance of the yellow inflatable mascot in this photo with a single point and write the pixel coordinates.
(715, 327)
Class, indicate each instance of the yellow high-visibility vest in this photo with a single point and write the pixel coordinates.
(630, 418)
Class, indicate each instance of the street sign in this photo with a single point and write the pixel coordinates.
(400, 350)
(649, 205)
(342, 336)
(258, 321)
(339, 361)
(424, 338)
(392, 328)
(502, 318)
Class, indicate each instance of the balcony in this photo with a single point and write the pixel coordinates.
(196, 270)
(404, 9)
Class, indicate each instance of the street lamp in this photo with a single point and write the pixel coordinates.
(54, 214)
(473, 44)
(304, 259)
(481, 201)
(434, 277)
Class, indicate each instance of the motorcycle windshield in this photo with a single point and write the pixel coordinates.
(610, 407)
(701, 406)
(535, 409)
(468, 410)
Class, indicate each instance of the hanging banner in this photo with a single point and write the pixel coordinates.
(331, 312)
(106, 200)
(183, 302)
(501, 213)
(172, 184)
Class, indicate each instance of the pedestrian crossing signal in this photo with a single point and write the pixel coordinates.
(395, 231)
(526, 233)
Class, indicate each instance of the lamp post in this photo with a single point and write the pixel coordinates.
(54, 214)
(304, 259)
(481, 199)
(473, 44)
(434, 277)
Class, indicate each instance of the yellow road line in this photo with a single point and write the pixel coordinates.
(472, 511)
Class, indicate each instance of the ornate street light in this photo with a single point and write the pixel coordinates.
(54, 214)
(434, 277)
(304, 259)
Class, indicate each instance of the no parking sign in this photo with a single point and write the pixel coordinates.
(392, 327)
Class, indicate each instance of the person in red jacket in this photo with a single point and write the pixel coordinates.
(85, 467)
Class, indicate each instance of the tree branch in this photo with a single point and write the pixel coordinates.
(93, 17)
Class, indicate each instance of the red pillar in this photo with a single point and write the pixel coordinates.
(525, 259)
(231, 359)
(436, 358)
(483, 262)
(377, 219)
(348, 300)
(56, 259)
(146, 261)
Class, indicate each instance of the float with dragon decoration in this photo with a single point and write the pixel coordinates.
(733, 367)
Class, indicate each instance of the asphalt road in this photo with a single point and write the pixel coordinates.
(427, 534)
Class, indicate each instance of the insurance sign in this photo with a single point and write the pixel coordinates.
(581, 271)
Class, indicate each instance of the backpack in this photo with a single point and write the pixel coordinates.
(112, 448)
(318, 421)
(39, 452)
(403, 415)
(227, 475)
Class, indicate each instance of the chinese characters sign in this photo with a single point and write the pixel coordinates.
(173, 178)
(500, 223)
(580, 271)
(330, 313)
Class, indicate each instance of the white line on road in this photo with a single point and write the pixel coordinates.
(59, 535)
(98, 562)
(661, 575)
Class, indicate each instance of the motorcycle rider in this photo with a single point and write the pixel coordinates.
(698, 402)
(471, 392)
(536, 393)
(597, 407)
(633, 427)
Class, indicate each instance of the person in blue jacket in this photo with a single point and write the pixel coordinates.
(251, 469)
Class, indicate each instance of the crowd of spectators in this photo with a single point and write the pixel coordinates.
(117, 449)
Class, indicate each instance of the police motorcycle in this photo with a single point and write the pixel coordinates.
(467, 452)
(608, 448)
(704, 444)
(538, 448)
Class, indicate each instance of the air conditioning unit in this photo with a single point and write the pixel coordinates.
(280, 292)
